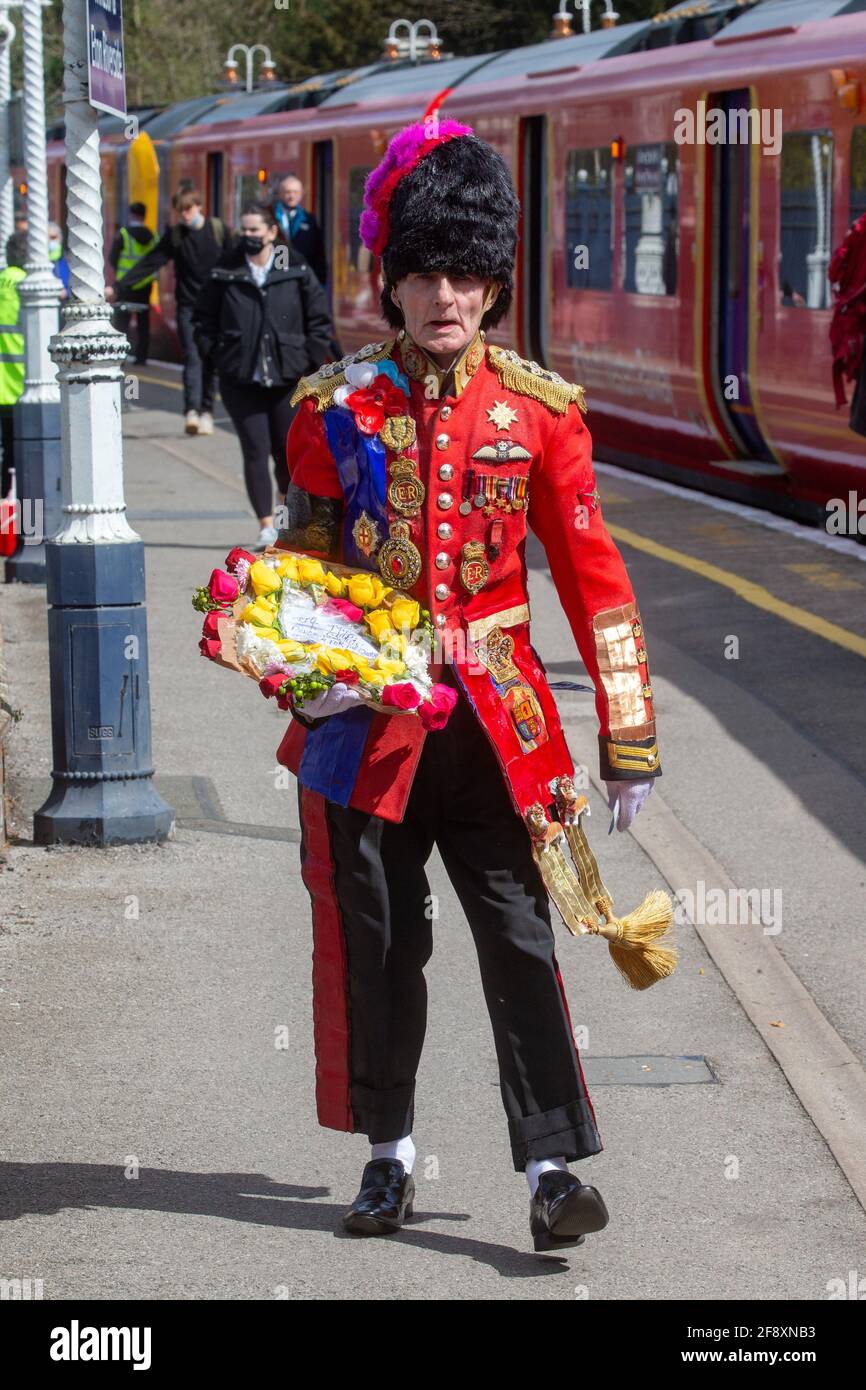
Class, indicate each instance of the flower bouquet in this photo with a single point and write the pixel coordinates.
(302, 626)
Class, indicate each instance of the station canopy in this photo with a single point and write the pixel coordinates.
(779, 14)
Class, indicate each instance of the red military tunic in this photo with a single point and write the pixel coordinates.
(507, 433)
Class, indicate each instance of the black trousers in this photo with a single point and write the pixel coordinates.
(7, 440)
(122, 320)
(198, 375)
(459, 802)
(261, 416)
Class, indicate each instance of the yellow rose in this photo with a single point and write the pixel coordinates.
(257, 613)
(270, 633)
(348, 660)
(333, 584)
(292, 651)
(361, 591)
(372, 677)
(390, 665)
(379, 623)
(405, 612)
(263, 579)
(288, 567)
(310, 571)
(331, 660)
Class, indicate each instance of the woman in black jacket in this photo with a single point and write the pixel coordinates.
(262, 318)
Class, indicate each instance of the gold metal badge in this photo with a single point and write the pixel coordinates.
(502, 415)
(474, 569)
(365, 534)
(398, 432)
(399, 559)
(406, 492)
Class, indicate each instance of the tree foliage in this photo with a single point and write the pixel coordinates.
(176, 48)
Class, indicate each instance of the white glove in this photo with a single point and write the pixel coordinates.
(333, 701)
(632, 795)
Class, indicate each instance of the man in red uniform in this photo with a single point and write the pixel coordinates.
(422, 458)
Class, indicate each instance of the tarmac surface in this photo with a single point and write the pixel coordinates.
(160, 1135)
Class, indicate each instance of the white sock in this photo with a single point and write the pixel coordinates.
(403, 1149)
(536, 1166)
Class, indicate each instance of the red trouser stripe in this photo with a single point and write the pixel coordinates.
(330, 979)
(574, 1044)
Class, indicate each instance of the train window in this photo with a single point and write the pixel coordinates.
(857, 192)
(805, 218)
(651, 234)
(589, 219)
(358, 254)
(248, 189)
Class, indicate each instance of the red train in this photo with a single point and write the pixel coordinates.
(680, 206)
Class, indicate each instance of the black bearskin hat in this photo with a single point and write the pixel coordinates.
(444, 203)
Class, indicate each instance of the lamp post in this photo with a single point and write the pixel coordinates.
(412, 40)
(36, 414)
(562, 19)
(7, 195)
(267, 74)
(100, 706)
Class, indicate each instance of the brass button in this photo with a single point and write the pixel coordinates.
(440, 619)
(446, 472)
(444, 500)
(445, 412)
(650, 756)
(443, 560)
(442, 441)
(441, 591)
(443, 530)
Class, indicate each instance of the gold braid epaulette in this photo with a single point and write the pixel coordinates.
(528, 379)
(323, 383)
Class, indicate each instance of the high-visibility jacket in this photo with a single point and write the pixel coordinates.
(131, 252)
(11, 335)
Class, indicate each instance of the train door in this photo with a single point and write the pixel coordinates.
(214, 191)
(733, 291)
(532, 173)
(323, 199)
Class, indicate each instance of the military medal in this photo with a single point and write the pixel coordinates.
(502, 415)
(406, 492)
(474, 569)
(365, 534)
(399, 559)
(398, 432)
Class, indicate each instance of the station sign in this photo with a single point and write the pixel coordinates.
(648, 169)
(106, 72)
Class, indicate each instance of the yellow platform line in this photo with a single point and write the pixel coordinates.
(745, 589)
(157, 381)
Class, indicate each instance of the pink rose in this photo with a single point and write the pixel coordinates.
(210, 647)
(210, 628)
(238, 554)
(223, 588)
(435, 712)
(402, 695)
(344, 608)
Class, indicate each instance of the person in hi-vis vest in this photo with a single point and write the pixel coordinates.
(131, 244)
(11, 349)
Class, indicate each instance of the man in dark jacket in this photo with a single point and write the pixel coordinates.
(263, 320)
(300, 226)
(193, 245)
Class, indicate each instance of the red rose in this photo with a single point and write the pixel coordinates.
(223, 588)
(284, 702)
(210, 628)
(348, 677)
(435, 712)
(371, 404)
(402, 695)
(238, 554)
(270, 685)
(210, 647)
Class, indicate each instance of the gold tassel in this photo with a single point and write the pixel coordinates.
(515, 375)
(323, 387)
(633, 940)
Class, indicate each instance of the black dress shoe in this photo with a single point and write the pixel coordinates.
(384, 1201)
(563, 1210)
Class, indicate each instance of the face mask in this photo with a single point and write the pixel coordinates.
(198, 220)
(253, 244)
